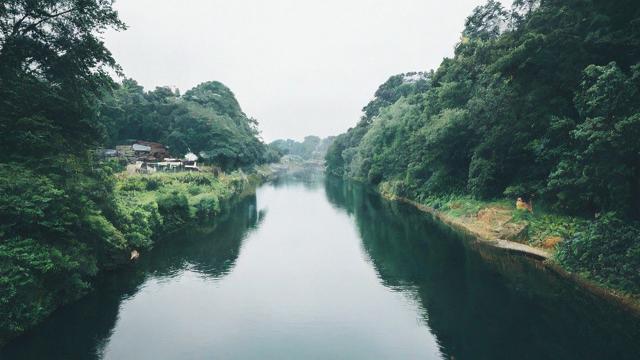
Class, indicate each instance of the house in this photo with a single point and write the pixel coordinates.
(150, 157)
(190, 162)
(139, 150)
(153, 149)
(126, 152)
(106, 153)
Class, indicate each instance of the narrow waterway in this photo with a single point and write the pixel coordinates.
(319, 268)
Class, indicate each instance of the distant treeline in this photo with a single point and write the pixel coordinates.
(541, 100)
(311, 148)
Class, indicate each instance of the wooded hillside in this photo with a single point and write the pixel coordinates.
(539, 101)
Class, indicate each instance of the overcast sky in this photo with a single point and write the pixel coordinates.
(300, 67)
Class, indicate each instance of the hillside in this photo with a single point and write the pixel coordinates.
(540, 102)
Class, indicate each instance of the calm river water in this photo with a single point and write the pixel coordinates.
(319, 268)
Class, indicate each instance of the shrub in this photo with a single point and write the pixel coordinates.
(207, 207)
(194, 189)
(607, 250)
(133, 183)
(174, 208)
(152, 184)
(194, 178)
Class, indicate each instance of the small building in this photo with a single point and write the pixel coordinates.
(149, 157)
(106, 153)
(142, 152)
(126, 152)
(190, 162)
(139, 150)
(154, 149)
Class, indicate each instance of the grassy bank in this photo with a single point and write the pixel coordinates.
(603, 252)
(161, 203)
(58, 264)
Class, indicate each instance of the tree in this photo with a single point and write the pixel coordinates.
(601, 169)
(486, 22)
(52, 59)
(53, 203)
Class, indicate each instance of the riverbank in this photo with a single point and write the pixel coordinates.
(163, 203)
(142, 209)
(496, 225)
(391, 276)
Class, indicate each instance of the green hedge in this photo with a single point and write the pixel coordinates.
(607, 250)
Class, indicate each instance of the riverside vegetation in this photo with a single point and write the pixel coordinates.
(65, 216)
(540, 101)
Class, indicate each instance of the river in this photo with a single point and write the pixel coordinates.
(315, 268)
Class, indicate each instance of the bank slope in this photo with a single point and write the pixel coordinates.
(540, 102)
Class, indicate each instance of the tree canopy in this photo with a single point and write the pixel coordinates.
(539, 100)
(206, 120)
(311, 148)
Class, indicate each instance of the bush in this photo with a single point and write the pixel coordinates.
(607, 250)
(208, 207)
(138, 221)
(375, 174)
(52, 242)
(174, 208)
(134, 183)
(194, 189)
(152, 184)
(195, 178)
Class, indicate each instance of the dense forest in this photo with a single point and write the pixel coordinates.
(206, 120)
(539, 101)
(311, 148)
(61, 221)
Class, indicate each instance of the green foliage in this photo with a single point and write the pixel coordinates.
(165, 202)
(342, 158)
(207, 207)
(52, 241)
(56, 207)
(607, 250)
(63, 218)
(520, 106)
(174, 209)
(543, 225)
(542, 101)
(486, 21)
(393, 89)
(52, 65)
(600, 171)
(138, 221)
(311, 148)
(206, 120)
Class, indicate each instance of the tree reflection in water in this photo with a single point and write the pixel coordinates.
(82, 331)
(478, 303)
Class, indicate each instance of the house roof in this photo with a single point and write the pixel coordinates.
(151, 144)
(138, 147)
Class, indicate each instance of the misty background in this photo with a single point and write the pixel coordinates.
(298, 67)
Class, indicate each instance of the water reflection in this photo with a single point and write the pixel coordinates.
(480, 305)
(333, 272)
(310, 179)
(82, 330)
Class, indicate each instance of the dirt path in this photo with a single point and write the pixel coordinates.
(488, 227)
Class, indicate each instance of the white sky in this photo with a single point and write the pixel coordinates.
(300, 67)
